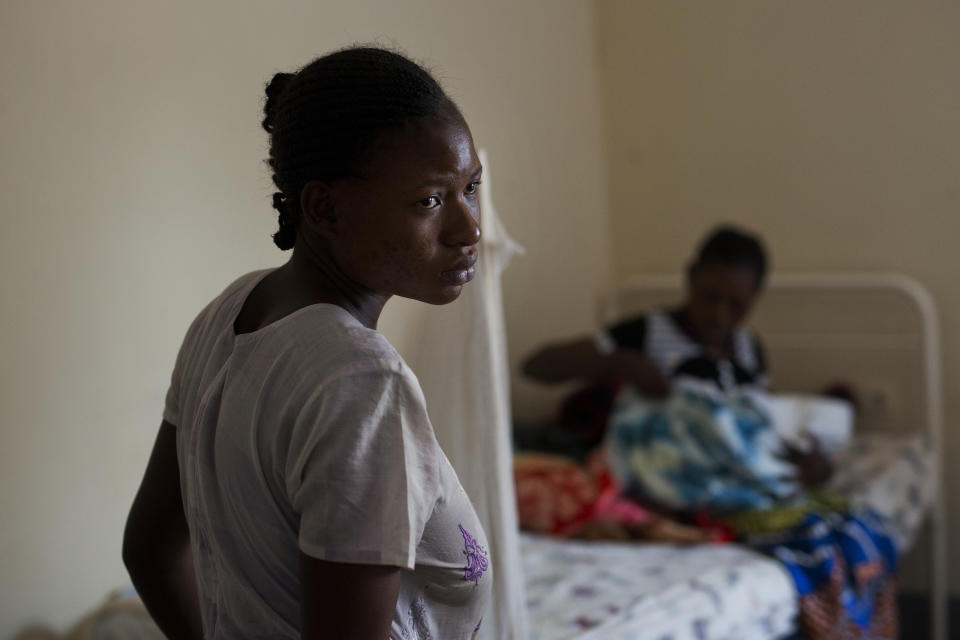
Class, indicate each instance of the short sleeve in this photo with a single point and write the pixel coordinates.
(173, 403)
(604, 342)
(362, 470)
(171, 406)
(631, 334)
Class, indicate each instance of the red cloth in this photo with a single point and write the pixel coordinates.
(556, 495)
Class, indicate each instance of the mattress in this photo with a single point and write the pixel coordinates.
(624, 591)
(631, 591)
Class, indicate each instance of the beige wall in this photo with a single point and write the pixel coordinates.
(133, 188)
(833, 128)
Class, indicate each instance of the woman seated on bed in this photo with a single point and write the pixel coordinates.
(704, 337)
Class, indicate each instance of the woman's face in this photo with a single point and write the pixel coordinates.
(409, 224)
(719, 299)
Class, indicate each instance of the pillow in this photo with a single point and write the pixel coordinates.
(799, 418)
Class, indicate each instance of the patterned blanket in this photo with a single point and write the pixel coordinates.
(699, 448)
(843, 567)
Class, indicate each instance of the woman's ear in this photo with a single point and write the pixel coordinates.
(317, 207)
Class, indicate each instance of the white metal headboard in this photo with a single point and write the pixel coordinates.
(877, 331)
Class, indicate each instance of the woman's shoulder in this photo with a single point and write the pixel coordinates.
(217, 314)
(235, 292)
(328, 340)
(748, 337)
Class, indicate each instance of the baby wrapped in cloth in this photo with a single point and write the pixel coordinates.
(702, 447)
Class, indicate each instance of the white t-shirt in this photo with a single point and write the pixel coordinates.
(311, 434)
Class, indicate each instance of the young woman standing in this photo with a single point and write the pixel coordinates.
(296, 489)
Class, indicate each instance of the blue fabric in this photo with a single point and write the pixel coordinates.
(812, 550)
(699, 448)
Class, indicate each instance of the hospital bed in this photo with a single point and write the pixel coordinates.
(876, 333)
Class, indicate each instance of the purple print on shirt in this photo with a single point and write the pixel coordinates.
(476, 557)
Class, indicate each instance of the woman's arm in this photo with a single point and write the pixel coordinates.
(346, 601)
(581, 359)
(156, 544)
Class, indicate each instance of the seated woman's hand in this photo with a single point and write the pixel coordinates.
(814, 467)
(640, 371)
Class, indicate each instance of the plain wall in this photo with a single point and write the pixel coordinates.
(133, 188)
(832, 128)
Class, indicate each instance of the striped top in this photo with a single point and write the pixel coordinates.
(662, 338)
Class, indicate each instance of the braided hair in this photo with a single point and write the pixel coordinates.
(733, 247)
(323, 118)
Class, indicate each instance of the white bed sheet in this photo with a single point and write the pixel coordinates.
(893, 475)
(631, 591)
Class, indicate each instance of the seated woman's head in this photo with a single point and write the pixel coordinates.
(723, 282)
(376, 174)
